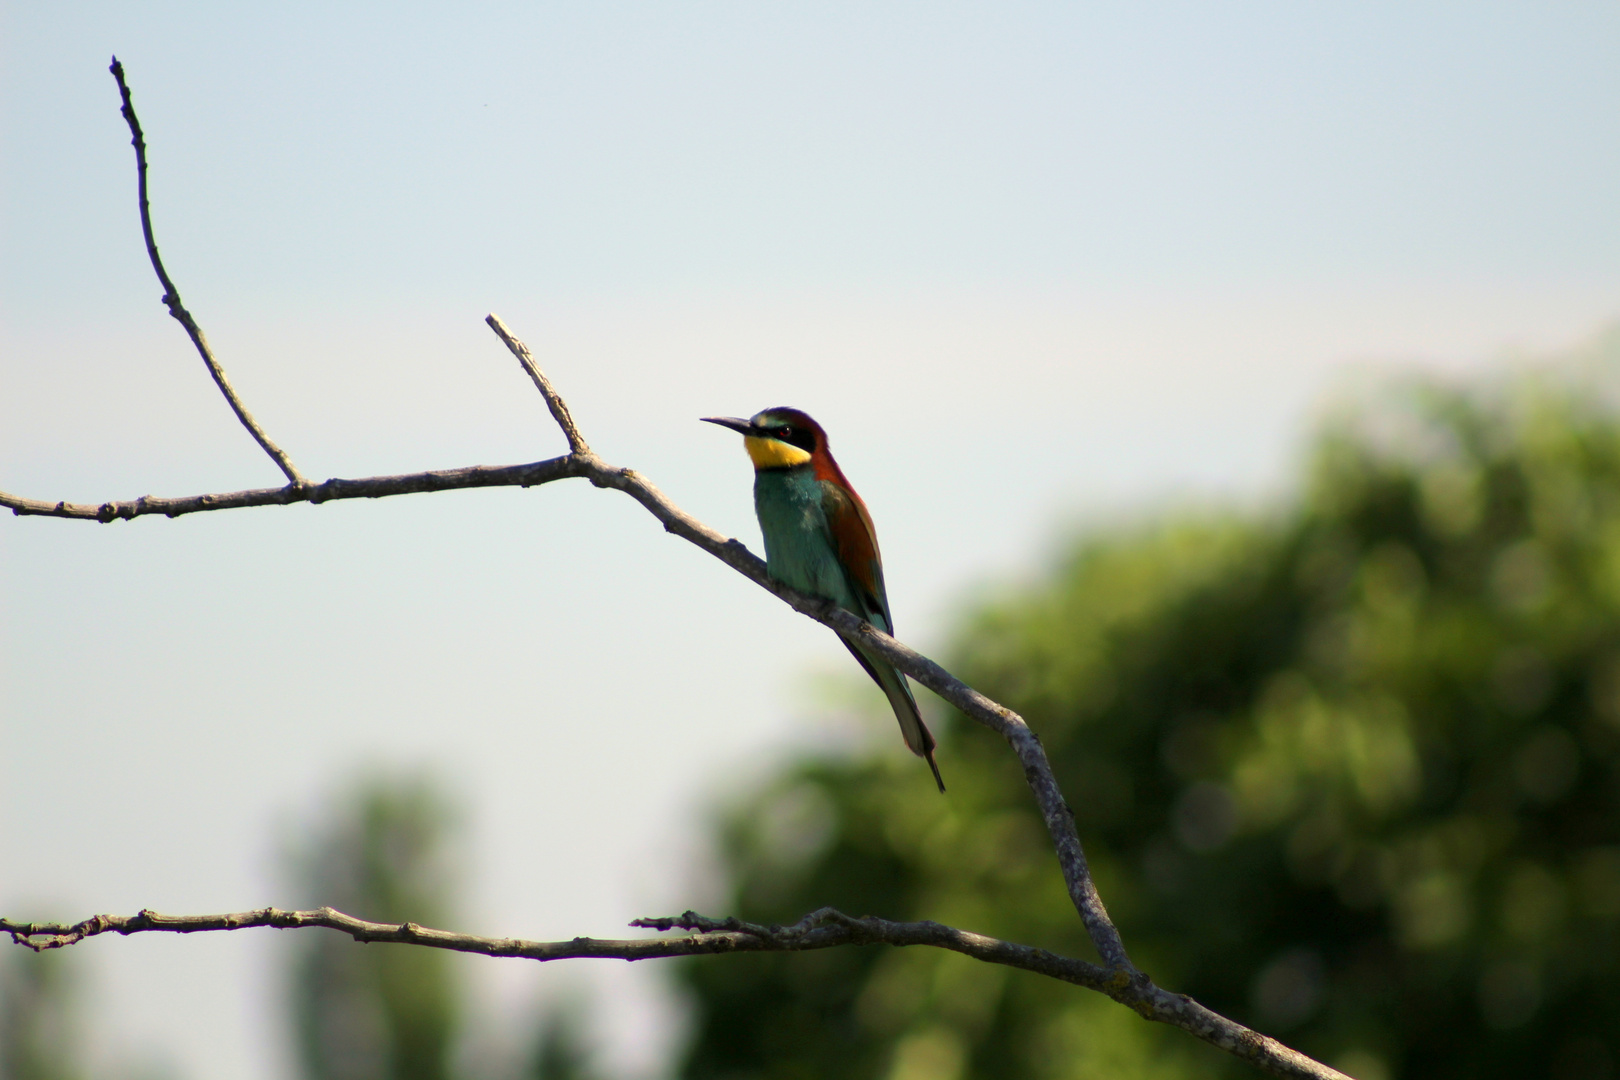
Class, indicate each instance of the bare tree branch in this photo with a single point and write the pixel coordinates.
(554, 401)
(1118, 977)
(171, 295)
(822, 929)
(371, 487)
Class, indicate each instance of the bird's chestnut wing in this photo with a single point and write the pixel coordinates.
(855, 541)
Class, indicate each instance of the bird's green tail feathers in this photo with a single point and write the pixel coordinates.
(919, 740)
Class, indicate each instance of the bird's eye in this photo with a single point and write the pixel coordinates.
(785, 433)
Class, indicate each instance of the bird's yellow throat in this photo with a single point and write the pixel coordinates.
(773, 453)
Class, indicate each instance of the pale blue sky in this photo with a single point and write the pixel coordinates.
(377, 152)
(1026, 262)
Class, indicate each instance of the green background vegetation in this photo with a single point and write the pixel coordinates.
(1348, 772)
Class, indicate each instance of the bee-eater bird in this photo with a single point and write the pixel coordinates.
(819, 539)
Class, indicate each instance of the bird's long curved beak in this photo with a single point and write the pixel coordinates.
(734, 423)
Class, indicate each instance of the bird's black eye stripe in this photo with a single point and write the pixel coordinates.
(802, 437)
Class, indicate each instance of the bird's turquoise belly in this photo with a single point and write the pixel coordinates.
(798, 544)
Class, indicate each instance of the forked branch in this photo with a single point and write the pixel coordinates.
(1117, 977)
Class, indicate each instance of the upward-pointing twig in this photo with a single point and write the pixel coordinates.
(554, 401)
(171, 295)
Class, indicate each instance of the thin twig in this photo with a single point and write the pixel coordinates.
(554, 401)
(823, 929)
(171, 295)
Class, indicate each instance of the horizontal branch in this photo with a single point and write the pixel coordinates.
(823, 929)
(371, 487)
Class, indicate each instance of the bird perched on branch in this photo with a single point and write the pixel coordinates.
(819, 540)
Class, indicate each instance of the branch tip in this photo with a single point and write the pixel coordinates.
(171, 295)
(554, 401)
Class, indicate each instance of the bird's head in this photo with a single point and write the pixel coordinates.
(776, 438)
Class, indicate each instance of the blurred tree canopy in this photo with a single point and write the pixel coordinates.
(1348, 772)
(378, 1012)
(41, 1029)
(386, 852)
(559, 1049)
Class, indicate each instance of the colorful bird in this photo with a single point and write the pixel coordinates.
(819, 539)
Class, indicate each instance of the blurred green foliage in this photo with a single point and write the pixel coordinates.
(560, 1050)
(1347, 772)
(378, 1012)
(41, 1030)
